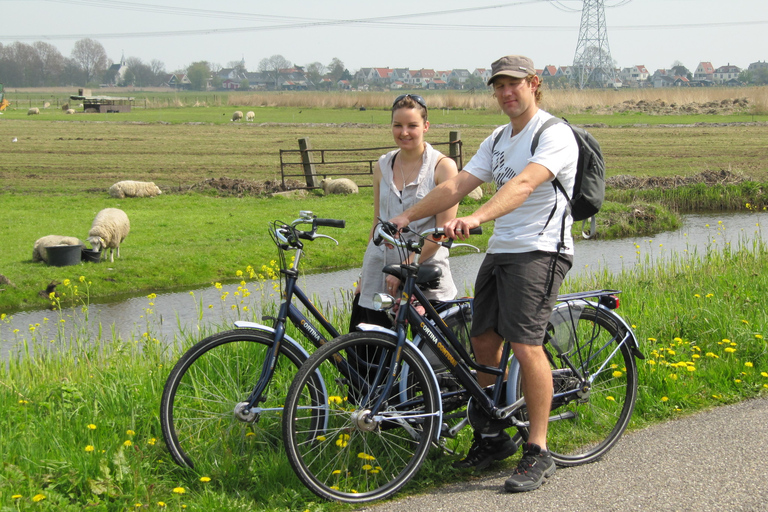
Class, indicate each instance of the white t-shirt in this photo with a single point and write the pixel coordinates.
(529, 227)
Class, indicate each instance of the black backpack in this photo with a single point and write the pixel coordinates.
(589, 183)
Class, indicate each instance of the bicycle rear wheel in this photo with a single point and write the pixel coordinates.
(358, 458)
(587, 421)
(202, 410)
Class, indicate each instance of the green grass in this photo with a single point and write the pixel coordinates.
(700, 321)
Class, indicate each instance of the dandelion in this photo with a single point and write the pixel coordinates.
(321, 438)
(759, 336)
(696, 295)
(677, 340)
(38, 497)
(66, 282)
(691, 368)
(652, 340)
(239, 273)
(671, 352)
(748, 364)
(250, 434)
(179, 490)
(764, 374)
(160, 503)
(23, 402)
(665, 399)
(673, 376)
(365, 456)
(367, 467)
(710, 295)
(89, 448)
(726, 340)
(609, 397)
(205, 479)
(730, 350)
(712, 355)
(336, 472)
(334, 400)
(343, 440)
(737, 381)
(617, 374)
(130, 432)
(91, 427)
(16, 496)
(151, 441)
(128, 442)
(137, 505)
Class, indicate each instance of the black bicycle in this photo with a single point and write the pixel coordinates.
(377, 428)
(223, 400)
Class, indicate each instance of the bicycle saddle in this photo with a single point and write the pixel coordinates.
(428, 276)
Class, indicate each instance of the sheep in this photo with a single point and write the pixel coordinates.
(237, 115)
(476, 194)
(46, 104)
(129, 188)
(33, 111)
(339, 186)
(109, 229)
(70, 111)
(40, 250)
(250, 116)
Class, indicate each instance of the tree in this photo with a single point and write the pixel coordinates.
(91, 57)
(139, 73)
(315, 73)
(272, 66)
(51, 62)
(336, 70)
(198, 74)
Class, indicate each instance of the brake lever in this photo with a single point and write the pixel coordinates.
(465, 245)
(316, 236)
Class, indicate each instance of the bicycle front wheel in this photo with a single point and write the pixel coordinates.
(359, 457)
(587, 420)
(203, 413)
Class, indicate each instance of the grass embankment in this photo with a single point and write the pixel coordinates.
(54, 180)
(80, 417)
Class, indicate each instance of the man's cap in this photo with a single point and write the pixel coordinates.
(515, 66)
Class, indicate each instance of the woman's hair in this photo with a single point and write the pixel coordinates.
(407, 101)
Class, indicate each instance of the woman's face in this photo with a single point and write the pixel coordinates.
(408, 128)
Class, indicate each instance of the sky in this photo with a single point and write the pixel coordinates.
(434, 34)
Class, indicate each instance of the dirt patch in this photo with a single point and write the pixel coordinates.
(721, 177)
(239, 187)
(661, 107)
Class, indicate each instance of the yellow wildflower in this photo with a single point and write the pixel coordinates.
(748, 364)
(38, 497)
(66, 282)
(128, 442)
(665, 399)
(730, 350)
(617, 374)
(609, 397)
(92, 427)
(130, 432)
(89, 448)
(205, 479)
(179, 490)
(151, 441)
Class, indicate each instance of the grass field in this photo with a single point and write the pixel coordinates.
(54, 178)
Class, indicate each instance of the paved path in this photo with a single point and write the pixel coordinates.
(712, 461)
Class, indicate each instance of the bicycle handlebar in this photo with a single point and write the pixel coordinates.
(386, 231)
(288, 235)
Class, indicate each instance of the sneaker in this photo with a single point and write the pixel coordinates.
(485, 450)
(532, 470)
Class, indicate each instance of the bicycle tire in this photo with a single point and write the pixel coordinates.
(584, 428)
(353, 461)
(197, 409)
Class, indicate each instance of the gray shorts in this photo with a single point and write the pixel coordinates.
(511, 294)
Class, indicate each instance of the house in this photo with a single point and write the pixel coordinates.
(176, 81)
(400, 75)
(459, 76)
(344, 85)
(117, 71)
(423, 77)
(757, 65)
(380, 76)
(437, 84)
(549, 71)
(397, 84)
(704, 71)
(634, 76)
(726, 73)
(362, 75)
(483, 73)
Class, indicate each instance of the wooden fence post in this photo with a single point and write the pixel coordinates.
(455, 148)
(307, 161)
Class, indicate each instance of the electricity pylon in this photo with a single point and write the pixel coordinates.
(592, 63)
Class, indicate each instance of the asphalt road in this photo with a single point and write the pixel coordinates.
(716, 460)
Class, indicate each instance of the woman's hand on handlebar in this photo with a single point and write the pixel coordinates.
(459, 227)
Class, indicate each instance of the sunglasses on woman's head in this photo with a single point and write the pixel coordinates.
(415, 97)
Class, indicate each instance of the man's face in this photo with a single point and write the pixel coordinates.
(515, 95)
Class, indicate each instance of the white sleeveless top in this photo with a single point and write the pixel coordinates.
(392, 203)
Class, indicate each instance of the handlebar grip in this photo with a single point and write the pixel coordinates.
(476, 231)
(331, 223)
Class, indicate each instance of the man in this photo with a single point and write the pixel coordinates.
(528, 255)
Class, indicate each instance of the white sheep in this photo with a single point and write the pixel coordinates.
(33, 111)
(129, 188)
(109, 229)
(339, 186)
(70, 111)
(476, 194)
(237, 115)
(46, 104)
(40, 250)
(250, 115)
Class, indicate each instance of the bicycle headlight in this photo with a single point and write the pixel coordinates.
(382, 302)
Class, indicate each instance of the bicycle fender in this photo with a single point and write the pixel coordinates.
(242, 324)
(375, 328)
(634, 345)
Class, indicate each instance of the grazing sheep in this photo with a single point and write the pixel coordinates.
(46, 104)
(70, 111)
(339, 186)
(65, 107)
(33, 111)
(130, 188)
(109, 229)
(237, 115)
(40, 250)
(250, 116)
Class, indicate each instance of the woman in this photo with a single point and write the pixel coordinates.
(400, 179)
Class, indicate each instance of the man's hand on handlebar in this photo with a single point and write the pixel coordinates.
(459, 227)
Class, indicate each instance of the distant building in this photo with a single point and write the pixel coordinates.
(725, 73)
(704, 71)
